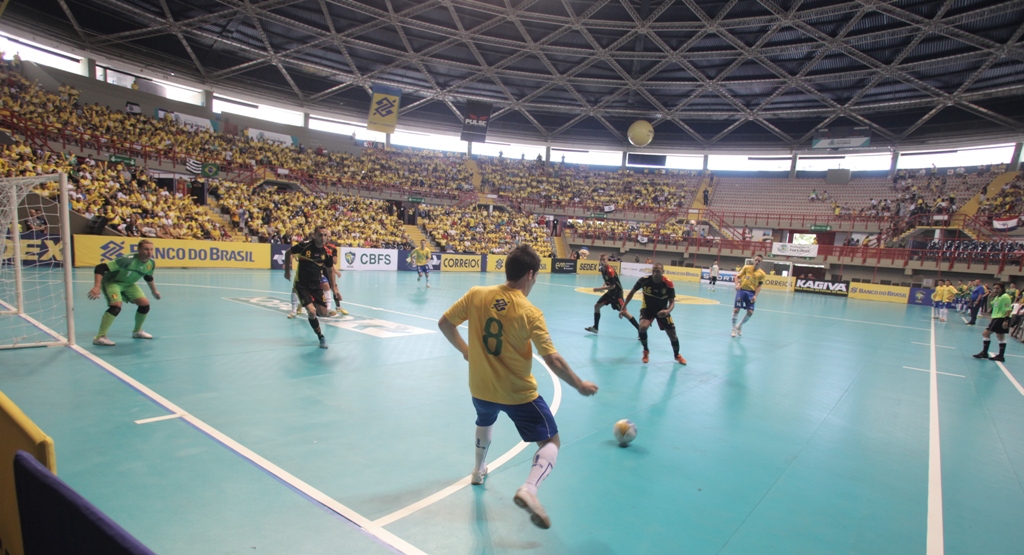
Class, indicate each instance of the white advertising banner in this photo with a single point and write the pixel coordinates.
(792, 249)
(192, 123)
(637, 270)
(270, 136)
(357, 259)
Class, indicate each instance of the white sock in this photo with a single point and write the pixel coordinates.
(483, 442)
(295, 301)
(745, 318)
(543, 464)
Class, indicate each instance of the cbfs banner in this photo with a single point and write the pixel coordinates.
(358, 259)
(90, 250)
(37, 249)
(405, 264)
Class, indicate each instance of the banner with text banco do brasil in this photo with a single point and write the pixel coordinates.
(90, 250)
(496, 263)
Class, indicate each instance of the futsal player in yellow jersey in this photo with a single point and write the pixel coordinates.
(748, 284)
(948, 295)
(421, 257)
(502, 324)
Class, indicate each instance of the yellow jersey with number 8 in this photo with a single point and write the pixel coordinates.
(502, 324)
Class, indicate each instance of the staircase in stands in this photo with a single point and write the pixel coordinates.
(416, 234)
(561, 246)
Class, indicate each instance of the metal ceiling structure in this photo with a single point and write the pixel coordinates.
(710, 75)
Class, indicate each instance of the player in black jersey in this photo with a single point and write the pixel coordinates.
(659, 300)
(314, 263)
(612, 296)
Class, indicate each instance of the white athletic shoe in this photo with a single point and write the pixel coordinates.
(734, 332)
(141, 335)
(428, 285)
(477, 477)
(529, 501)
(739, 331)
(291, 314)
(104, 341)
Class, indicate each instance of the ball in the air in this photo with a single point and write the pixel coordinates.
(641, 133)
(624, 431)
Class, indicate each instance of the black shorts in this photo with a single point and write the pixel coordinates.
(650, 314)
(613, 298)
(310, 294)
(713, 279)
(996, 325)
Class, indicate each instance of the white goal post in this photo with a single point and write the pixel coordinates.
(36, 302)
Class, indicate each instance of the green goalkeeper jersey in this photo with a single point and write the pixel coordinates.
(127, 270)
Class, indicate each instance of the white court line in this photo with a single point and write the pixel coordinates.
(966, 321)
(928, 345)
(159, 418)
(359, 520)
(1010, 377)
(943, 373)
(491, 466)
(935, 540)
(1014, 356)
(839, 319)
(325, 318)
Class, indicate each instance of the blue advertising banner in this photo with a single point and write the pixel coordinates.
(920, 296)
(277, 254)
(404, 265)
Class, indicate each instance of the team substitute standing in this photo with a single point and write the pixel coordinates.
(713, 276)
(421, 258)
(314, 263)
(659, 300)
(502, 323)
(612, 296)
(748, 284)
(1000, 323)
(116, 280)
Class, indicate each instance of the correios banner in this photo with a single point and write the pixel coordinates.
(461, 263)
(884, 293)
(358, 259)
(778, 283)
(90, 250)
(835, 288)
(792, 249)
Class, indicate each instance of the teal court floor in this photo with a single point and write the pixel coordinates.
(830, 426)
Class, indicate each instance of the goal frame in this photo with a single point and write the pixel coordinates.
(9, 187)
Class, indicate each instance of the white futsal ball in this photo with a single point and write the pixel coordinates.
(624, 431)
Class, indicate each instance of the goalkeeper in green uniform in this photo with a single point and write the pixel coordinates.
(116, 279)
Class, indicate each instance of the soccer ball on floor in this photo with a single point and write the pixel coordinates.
(624, 431)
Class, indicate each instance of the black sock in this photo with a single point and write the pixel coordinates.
(315, 324)
(597, 318)
(1002, 348)
(643, 340)
(633, 321)
(986, 343)
(675, 345)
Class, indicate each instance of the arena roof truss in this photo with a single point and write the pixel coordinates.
(708, 74)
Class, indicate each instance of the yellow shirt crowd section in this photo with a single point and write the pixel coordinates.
(562, 184)
(474, 230)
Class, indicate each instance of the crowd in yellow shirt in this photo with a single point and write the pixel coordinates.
(474, 230)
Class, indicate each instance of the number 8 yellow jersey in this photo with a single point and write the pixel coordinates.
(502, 323)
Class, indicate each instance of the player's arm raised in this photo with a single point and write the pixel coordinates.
(561, 368)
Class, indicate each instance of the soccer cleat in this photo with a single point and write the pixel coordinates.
(529, 501)
(982, 355)
(591, 329)
(647, 356)
(291, 314)
(104, 341)
(428, 285)
(323, 342)
(332, 313)
(477, 478)
(997, 358)
(681, 360)
(342, 311)
(733, 332)
(141, 335)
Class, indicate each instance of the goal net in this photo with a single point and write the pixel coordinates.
(36, 307)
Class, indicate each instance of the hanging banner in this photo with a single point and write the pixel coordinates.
(792, 249)
(132, 108)
(191, 123)
(384, 109)
(1005, 224)
(475, 120)
(271, 137)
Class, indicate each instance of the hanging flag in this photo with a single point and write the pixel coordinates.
(1005, 224)
(132, 108)
(210, 170)
(475, 120)
(384, 109)
(609, 208)
(194, 166)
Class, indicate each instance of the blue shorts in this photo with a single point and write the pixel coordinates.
(533, 420)
(423, 269)
(745, 299)
(323, 279)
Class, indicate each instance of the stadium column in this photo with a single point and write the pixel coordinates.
(547, 155)
(625, 155)
(892, 165)
(469, 148)
(87, 68)
(1014, 164)
(208, 100)
(705, 163)
(792, 166)
(305, 120)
